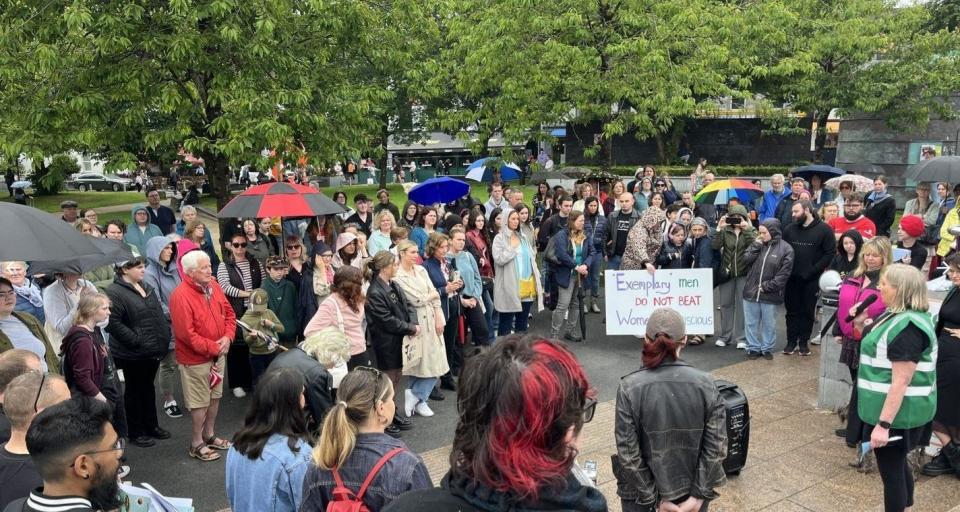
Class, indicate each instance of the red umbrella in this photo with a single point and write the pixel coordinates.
(280, 199)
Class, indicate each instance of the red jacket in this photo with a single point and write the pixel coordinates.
(199, 321)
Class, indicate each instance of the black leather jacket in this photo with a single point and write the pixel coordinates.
(389, 316)
(318, 384)
(671, 435)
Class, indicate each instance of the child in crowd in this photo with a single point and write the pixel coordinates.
(282, 298)
(677, 252)
(262, 335)
(911, 228)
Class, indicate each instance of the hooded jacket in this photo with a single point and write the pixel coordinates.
(138, 328)
(162, 278)
(840, 262)
(137, 237)
(644, 240)
(283, 302)
(732, 245)
(770, 266)
(200, 316)
(814, 247)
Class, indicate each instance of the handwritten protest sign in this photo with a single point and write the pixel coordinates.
(631, 295)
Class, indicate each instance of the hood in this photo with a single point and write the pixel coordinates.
(504, 215)
(155, 246)
(852, 234)
(133, 213)
(738, 209)
(259, 299)
(773, 226)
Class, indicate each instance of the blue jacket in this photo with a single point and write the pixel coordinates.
(597, 232)
(273, 482)
(419, 236)
(768, 207)
(432, 265)
(562, 273)
(702, 252)
(466, 264)
(138, 238)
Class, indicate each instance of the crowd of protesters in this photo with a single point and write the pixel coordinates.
(430, 294)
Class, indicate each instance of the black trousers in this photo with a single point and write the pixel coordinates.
(239, 373)
(630, 506)
(140, 396)
(800, 301)
(450, 332)
(361, 359)
(854, 425)
(896, 475)
(478, 324)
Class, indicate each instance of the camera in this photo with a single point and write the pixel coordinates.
(732, 219)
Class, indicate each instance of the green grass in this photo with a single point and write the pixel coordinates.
(85, 200)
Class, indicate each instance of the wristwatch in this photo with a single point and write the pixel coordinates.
(884, 424)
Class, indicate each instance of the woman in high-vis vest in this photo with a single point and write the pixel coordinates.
(896, 382)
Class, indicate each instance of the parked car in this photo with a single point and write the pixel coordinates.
(85, 181)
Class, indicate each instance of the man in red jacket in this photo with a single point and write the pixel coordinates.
(203, 327)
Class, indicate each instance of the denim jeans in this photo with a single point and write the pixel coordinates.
(594, 275)
(566, 298)
(421, 387)
(760, 325)
(614, 262)
(514, 322)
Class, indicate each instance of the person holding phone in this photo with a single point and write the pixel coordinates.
(734, 236)
(445, 277)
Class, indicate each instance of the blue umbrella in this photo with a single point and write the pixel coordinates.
(824, 171)
(480, 171)
(438, 190)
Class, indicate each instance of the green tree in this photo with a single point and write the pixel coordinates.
(223, 79)
(864, 55)
(630, 65)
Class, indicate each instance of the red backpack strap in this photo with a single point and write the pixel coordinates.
(376, 469)
(340, 491)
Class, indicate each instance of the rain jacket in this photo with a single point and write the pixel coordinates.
(771, 265)
(163, 279)
(138, 328)
(732, 246)
(137, 238)
(644, 240)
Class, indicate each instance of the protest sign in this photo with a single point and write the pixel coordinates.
(631, 295)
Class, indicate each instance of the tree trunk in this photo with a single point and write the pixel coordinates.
(821, 137)
(384, 141)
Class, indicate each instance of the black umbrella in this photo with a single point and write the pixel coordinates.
(279, 199)
(112, 251)
(33, 235)
(941, 168)
(824, 171)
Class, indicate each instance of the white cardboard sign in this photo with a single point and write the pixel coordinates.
(631, 295)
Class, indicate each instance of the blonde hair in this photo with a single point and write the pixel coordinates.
(911, 286)
(359, 394)
(88, 306)
(879, 245)
(378, 218)
(434, 241)
(4, 265)
(328, 346)
(405, 244)
(294, 239)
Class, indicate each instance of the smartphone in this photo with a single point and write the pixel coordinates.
(732, 219)
(590, 469)
(454, 276)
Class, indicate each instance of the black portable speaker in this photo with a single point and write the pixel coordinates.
(738, 426)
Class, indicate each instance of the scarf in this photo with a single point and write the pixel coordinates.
(321, 284)
(572, 496)
(31, 292)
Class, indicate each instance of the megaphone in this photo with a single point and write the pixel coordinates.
(830, 281)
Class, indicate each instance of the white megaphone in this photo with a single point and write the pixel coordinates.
(830, 281)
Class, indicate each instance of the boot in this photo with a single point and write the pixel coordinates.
(940, 465)
(952, 451)
(593, 305)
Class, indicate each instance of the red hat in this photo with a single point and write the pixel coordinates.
(912, 225)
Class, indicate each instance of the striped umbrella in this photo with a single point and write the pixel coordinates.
(721, 191)
(280, 199)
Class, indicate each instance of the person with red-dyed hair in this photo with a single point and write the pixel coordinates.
(522, 406)
(670, 427)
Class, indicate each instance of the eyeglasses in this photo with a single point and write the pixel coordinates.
(851, 205)
(589, 407)
(43, 379)
(292, 247)
(326, 255)
(120, 445)
(372, 370)
(844, 188)
(238, 245)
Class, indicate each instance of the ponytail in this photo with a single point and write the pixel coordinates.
(360, 392)
(656, 350)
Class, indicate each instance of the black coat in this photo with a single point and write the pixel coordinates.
(318, 384)
(389, 316)
(138, 328)
(881, 212)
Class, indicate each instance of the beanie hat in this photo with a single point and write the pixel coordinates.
(667, 321)
(912, 225)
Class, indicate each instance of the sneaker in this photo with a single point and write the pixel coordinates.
(392, 431)
(753, 355)
(742, 345)
(573, 338)
(720, 343)
(123, 471)
(790, 349)
(595, 307)
(768, 356)
(804, 351)
(424, 410)
(815, 340)
(409, 402)
(172, 409)
(401, 423)
(239, 392)
(435, 394)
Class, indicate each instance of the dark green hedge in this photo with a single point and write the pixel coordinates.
(723, 171)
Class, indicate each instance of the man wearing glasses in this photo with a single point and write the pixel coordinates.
(24, 397)
(77, 453)
(853, 218)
